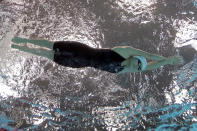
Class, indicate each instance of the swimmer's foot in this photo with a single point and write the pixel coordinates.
(18, 40)
(18, 47)
(39, 52)
(41, 43)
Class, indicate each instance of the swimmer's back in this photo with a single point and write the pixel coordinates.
(72, 46)
(76, 54)
(78, 49)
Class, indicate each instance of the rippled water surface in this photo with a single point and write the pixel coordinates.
(37, 94)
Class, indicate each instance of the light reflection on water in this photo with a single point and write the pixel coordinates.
(38, 94)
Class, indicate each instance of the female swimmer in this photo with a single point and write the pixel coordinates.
(119, 59)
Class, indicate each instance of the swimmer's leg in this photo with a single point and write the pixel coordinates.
(41, 43)
(40, 52)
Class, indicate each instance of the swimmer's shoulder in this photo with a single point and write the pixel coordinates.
(124, 51)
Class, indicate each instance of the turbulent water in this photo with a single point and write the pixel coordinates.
(37, 94)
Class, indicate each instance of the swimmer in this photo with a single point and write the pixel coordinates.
(119, 59)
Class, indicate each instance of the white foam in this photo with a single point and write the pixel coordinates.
(186, 34)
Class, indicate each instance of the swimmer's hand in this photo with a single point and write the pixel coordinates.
(175, 60)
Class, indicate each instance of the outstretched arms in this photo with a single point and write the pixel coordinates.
(157, 61)
(172, 61)
(127, 51)
(152, 65)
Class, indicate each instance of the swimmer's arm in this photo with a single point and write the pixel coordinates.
(127, 51)
(150, 66)
(156, 64)
(171, 60)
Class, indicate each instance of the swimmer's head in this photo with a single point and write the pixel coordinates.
(134, 64)
(137, 63)
(142, 63)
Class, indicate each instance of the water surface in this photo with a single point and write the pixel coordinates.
(38, 94)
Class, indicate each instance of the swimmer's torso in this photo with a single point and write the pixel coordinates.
(76, 55)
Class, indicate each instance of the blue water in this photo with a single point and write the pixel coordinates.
(37, 94)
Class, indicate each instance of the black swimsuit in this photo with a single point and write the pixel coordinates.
(76, 55)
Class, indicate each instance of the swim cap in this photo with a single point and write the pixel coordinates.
(143, 61)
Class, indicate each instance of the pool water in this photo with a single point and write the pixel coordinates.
(37, 94)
